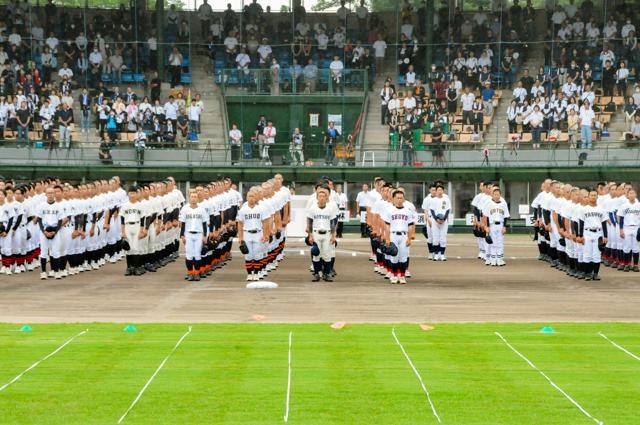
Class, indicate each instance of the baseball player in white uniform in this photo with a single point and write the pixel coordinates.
(629, 223)
(363, 201)
(133, 230)
(438, 219)
(400, 230)
(321, 230)
(50, 220)
(252, 231)
(7, 220)
(426, 209)
(592, 227)
(496, 216)
(193, 233)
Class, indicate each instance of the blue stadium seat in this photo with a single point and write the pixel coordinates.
(185, 78)
(138, 78)
(106, 78)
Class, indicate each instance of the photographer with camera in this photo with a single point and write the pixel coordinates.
(330, 139)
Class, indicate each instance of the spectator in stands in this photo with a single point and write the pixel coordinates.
(205, 13)
(478, 115)
(622, 73)
(630, 111)
(573, 121)
(297, 147)
(175, 66)
(275, 77)
(379, 47)
(330, 140)
(608, 78)
(269, 140)
(235, 140)
(23, 118)
(467, 100)
(512, 114)
(194, 113)
(310, 73)
(587, 118)
(535, 121)
(65, 125)
(85, 111)
(635, 129)
(140, 144)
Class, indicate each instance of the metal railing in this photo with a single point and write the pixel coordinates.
(290, 81)
(446, 155)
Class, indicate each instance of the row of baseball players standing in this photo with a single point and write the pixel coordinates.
(578, 229)
(76, 228)
(206, 225)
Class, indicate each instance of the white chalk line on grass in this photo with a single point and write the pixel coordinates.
(33, 366)
(286, 411)
(553, 384)
(424, 387)
(619, 347)
(175, 347)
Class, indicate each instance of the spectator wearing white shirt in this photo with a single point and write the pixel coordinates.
(587, 95)
(242, 62)
(558, 17)
(480, 17)
(622, 73)
(339, 37)
(410, 77)
(627, 28)
(409, 101)
(610, 30)
(171, 111)
(81, 41)
(587, 116)
(578, 27)
(269, 140)
(175, 66)
(65, 71)
(231, 45)
(571, 9)
(535, 120)
(323, 40)
(264, 53)
(52, 42)
(15, 39)
(379, 47)
(407, 28)
(467, 99)
(235, 140)
(194, 113)
(362, 14)
(520, 93)
(303, 28)
(337, 78)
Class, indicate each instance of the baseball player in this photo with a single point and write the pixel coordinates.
(363, 201)
(342, 208)
(374, 215)
(617, 243)
(582, 201)
(538, 220)
(400, 229)
(50, 221)
(374, 196)
(133, 230)
(476, 207)
(496, 217)
(592, 228)
(321, 230)
(569, 234)
(252, 232)
(7, 220)
(629, 222)
(193, 233)
(426, 209)
(438, 220)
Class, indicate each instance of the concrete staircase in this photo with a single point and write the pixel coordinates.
(213, 120)
(376, 136)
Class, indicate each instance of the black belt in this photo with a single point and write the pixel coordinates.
(399, 233)
(497, 222)
(322, 232)
(363, 209)
(132, 222)
(193, 233)
(253, 231)
(593, 230)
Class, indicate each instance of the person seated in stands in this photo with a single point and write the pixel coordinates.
(104, 153)
(169, 134)
(139, 144)
(635, 130)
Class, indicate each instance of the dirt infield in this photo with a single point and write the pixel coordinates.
(459, 290)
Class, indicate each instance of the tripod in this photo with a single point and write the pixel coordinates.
(207, 155)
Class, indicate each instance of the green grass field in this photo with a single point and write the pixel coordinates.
(237, 374)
